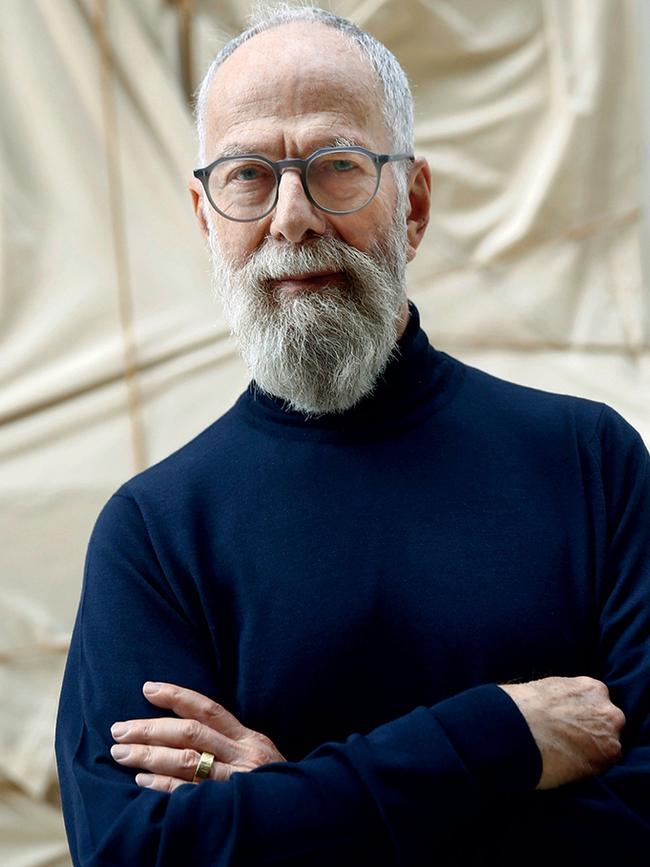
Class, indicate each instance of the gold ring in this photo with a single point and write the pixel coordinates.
(202, 771)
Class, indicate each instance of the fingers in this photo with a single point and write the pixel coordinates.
(179, 733)
(192, 705)
(167, 762)
(618, 718)
(159, 782)
(170, 748)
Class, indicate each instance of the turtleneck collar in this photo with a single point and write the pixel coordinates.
(417, 381)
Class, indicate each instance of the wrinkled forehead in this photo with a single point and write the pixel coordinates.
(304, 78)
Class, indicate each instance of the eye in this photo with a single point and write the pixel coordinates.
(243, 173)
(247, 173)
(342, 165)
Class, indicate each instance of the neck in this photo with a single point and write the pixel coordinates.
(403, 319)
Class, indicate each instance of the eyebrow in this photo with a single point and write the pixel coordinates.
(343, 142)
(235, 149)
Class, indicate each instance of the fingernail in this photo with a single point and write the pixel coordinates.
(119, 730)
(120, 751)
(150, 687)
(144, 779)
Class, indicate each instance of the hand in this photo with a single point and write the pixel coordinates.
(170, 748)
(575, 726)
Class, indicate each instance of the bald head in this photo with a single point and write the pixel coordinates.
(304, 80)
(390, 89)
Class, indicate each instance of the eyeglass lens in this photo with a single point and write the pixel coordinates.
(245, 188)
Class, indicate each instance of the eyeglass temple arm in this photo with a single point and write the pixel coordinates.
(391, 158)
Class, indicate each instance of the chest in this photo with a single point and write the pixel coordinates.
(346, 598)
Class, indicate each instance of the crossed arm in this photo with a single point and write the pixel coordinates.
(427, 776)
(575, 726)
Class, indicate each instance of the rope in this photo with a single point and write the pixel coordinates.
(185, 48)
(120, 247)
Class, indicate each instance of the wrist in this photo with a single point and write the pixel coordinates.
(492, 737)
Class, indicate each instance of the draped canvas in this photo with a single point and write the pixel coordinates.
(113, 351)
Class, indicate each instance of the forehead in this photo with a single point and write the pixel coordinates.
(292, 87)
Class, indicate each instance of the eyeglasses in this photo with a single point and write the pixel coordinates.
(337, 180)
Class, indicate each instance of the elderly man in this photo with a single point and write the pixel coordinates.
(327, 586)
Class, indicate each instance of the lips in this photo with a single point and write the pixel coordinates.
(306, 281)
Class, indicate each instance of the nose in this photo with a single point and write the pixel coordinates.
(294, 216)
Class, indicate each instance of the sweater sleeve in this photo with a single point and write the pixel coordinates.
(604, 820)
(371, 799)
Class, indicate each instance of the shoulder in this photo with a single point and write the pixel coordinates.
(210, 449)
(179, 479)
(496, 401)
(553, 425)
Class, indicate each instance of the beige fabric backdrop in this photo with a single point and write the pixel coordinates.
(112, 350)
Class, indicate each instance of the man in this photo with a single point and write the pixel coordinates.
(328, 584)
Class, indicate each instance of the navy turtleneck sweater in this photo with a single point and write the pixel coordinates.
(354, 586)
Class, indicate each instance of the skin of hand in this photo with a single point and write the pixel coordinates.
(575, 726)
(170, 748)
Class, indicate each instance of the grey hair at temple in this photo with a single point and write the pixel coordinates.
(397, 107)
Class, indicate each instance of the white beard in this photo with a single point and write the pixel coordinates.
(319, 351)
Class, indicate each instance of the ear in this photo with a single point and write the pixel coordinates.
(419, 193)
(197, 194)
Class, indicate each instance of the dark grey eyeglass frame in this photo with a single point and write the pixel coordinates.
(279, 166)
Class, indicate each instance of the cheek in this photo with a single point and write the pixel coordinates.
(373, 222)
(238, 240)
(386, 202)
(364, 229)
